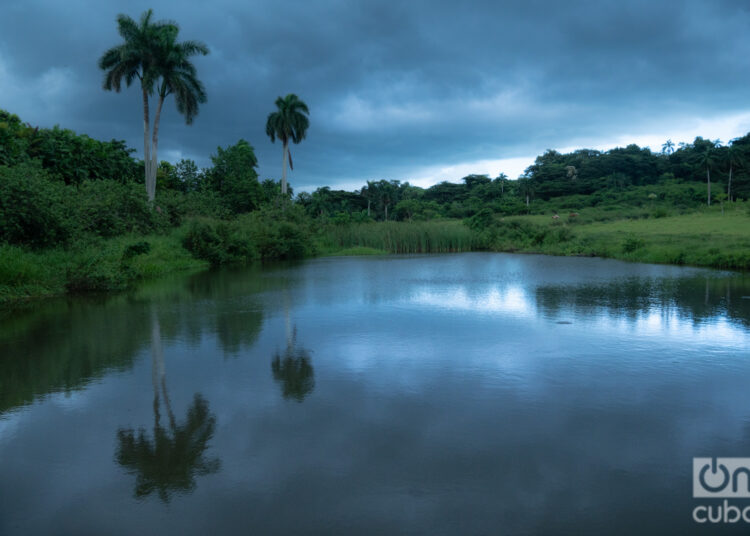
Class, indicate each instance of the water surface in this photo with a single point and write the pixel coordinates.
(472, 393)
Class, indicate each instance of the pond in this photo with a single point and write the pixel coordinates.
(475, 393)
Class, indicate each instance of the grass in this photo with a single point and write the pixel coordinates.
(358, 251)
(706, 237)
(437, 236)
(95, 265)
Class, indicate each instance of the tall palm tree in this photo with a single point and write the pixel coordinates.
(734, 158)
(708, 159)
(501, 178)
(151, 54)
(667, 147)
(525, 188)
(288, 122)
(178, 77)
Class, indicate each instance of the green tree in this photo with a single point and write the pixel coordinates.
(526, 189)
(151, 54)
(708, 160)
(501, 179)
(288, 122)
(734, 159)
(369, 193)
(234, 178)
(667, 147)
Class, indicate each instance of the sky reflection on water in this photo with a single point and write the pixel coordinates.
(425, 394)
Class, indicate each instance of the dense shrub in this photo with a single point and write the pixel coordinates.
(217, 243)
(32, 208)
(631, 243)
(279, 233)
(108, 208)
(133, 250)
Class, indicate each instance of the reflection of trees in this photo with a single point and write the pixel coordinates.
(293, 370)
(695, 297)
(61, 345)
(169, 462)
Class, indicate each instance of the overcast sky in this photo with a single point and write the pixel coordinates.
(410, 90)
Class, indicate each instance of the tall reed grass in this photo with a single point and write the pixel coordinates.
(401, 237)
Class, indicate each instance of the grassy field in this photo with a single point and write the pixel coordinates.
(704, 238)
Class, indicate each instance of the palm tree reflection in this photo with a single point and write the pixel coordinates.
(293, 368)
(168, 462)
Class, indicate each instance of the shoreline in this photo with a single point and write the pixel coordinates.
(168, 257)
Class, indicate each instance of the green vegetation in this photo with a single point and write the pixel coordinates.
(66, 227)
(288, 123)
(150, 53)
(74, 215)
(398, 237)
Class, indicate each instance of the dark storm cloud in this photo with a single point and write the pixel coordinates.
(392, 87)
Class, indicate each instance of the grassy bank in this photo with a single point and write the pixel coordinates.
(706, 237)
(99, 265)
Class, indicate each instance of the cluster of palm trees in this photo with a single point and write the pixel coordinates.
(709, 158)
(151, 54)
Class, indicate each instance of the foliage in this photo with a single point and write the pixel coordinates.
(32, 208)
(401, 237)
(288, 123)
(234, 179)
(107, 209)
(151, 54)
(218, 243)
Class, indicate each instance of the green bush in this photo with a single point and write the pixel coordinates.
(133, 250)
(108, 208)
(218, 243)
(32, 209)
(94, 267)
(632, 243)
(481, 220)
(279, 234)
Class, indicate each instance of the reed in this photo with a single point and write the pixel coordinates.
(400, 237)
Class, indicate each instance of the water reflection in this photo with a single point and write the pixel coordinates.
(62, 345)
(293, 369)
(687, 301)
(168, 462)
(462, 393)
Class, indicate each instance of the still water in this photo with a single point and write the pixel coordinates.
(446, 394)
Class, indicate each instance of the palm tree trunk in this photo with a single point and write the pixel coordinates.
(708, 181)
(154, 145)
(729, 184)
(146, 151)
(283, 168)
(368, 208)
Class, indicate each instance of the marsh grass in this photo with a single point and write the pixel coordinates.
(443, 236)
